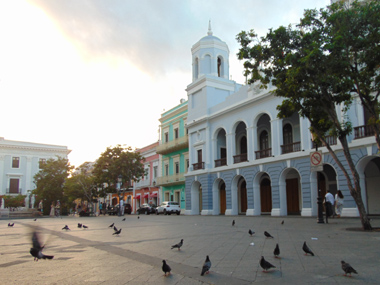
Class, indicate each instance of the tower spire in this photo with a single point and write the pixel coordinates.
(209, 28)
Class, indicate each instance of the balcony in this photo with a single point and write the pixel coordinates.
(171, 180)
(221, 162)
(292, 147)
(263, 153)
(174, 145)
(198, 165)
(331, 140)
(13, 191)
(240, 158)
(364, 131)
(143, 183)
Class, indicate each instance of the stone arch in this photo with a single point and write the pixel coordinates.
(262, 197)
(220, 147)
(219, 197)
(290, 192)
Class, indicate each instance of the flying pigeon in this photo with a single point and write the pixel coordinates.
(347, 268)
(123, 219)
(115, 228)
(306, 249)
(178, 245)
(117, 232)
(268, 235)
(79, 225)
(85, 227)
(36, 250)
(233, 222)
(276, 251)
(265, 264)
(166, 268)
(282, 222)
(11, 225)
(111, 225)
(206, 266)
(66, 227)
(251, 232)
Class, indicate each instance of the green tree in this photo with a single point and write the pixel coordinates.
(14, 201)
(303, 64)
(50, 181)
(118, 162)
(81, 185)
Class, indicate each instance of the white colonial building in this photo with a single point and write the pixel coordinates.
(244, 160)
(20, 161)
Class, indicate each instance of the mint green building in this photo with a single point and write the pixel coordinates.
(174, 154)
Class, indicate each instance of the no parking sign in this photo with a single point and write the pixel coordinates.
(316, 163)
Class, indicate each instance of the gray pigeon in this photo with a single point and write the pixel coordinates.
(36, 250)
(282, 222)
(265, 264)
(110, 226)
(123, 219)
(347, 268)
(85, 227)
(206, 266)
(251, 232)
(233, 222)
(306, 249)
(276, 251)
(117, 232)
(11, 225)
(66, 227)
(115, 229)
(79, 225)
(166, 268)
(268, 235)
(178, 245)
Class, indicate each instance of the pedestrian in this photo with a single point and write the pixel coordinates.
(104, 208)
(40, 207)
(100, 208)
(339, 200)
(329, 202)
(122, 207)
(108, 208)
(52, 209)
(58, 209)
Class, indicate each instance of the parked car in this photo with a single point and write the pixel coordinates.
(128, 209)
(115, 209)
(147, 209)
(168, 207)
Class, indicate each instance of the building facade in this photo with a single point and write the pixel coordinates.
(146, 190)
(174, 156)
(20, 161)
(244, 160)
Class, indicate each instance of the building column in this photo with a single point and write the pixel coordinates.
(2, 190)
(276, 136)
(256, 200)
(283, 204)
(306, 143)
(250, 143)
(208, 154)
(230, 148)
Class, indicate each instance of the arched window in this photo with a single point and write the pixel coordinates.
(264, 140)
(243, 145)
(288, 134)
(219, 67)
(196, 68)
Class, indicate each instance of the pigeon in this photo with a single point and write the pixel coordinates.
(138, 217)
(117, 232)
(265, 264)
(233, 222)
(206, 266)
(268, 235)
(282, 222)
(36, 250)
(276, 251)
(11, 225)
(166, 268)
(111, 225)
(347, 268)
(85, 227)
(251, 232)
(123, 219)
(35, 219)
(79, 225)
(306, 249)
(66, 227)
(178, 245)
(115, 228)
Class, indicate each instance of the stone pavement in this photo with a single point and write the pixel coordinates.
(95, 256)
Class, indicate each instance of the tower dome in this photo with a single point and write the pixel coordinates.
(210, 56)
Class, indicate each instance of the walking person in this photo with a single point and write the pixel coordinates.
(329, 202)
(100, 208)
(339, 201)
(121, 207)
(40, 207)
(58, 209)
(52, 209)
(104, 208)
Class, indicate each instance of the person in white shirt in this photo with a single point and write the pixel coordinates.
(122, 207)
(339, 200)
(329, 202)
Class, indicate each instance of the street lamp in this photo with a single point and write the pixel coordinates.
(120, 181)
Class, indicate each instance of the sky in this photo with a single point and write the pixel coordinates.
(89, 74)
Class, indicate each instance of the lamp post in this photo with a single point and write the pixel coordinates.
(320, 219)
(119, 180)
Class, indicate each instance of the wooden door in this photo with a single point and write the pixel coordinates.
(292, 197)
(266, 196)
(222, 197)
(243, 198)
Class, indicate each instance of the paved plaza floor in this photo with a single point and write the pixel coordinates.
(96, 256)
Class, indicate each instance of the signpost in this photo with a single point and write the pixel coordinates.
(316, 163)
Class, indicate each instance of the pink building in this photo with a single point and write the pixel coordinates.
(145, 191)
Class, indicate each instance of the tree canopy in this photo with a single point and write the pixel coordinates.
(311, 67)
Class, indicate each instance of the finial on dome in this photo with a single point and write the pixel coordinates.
(209, 28)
